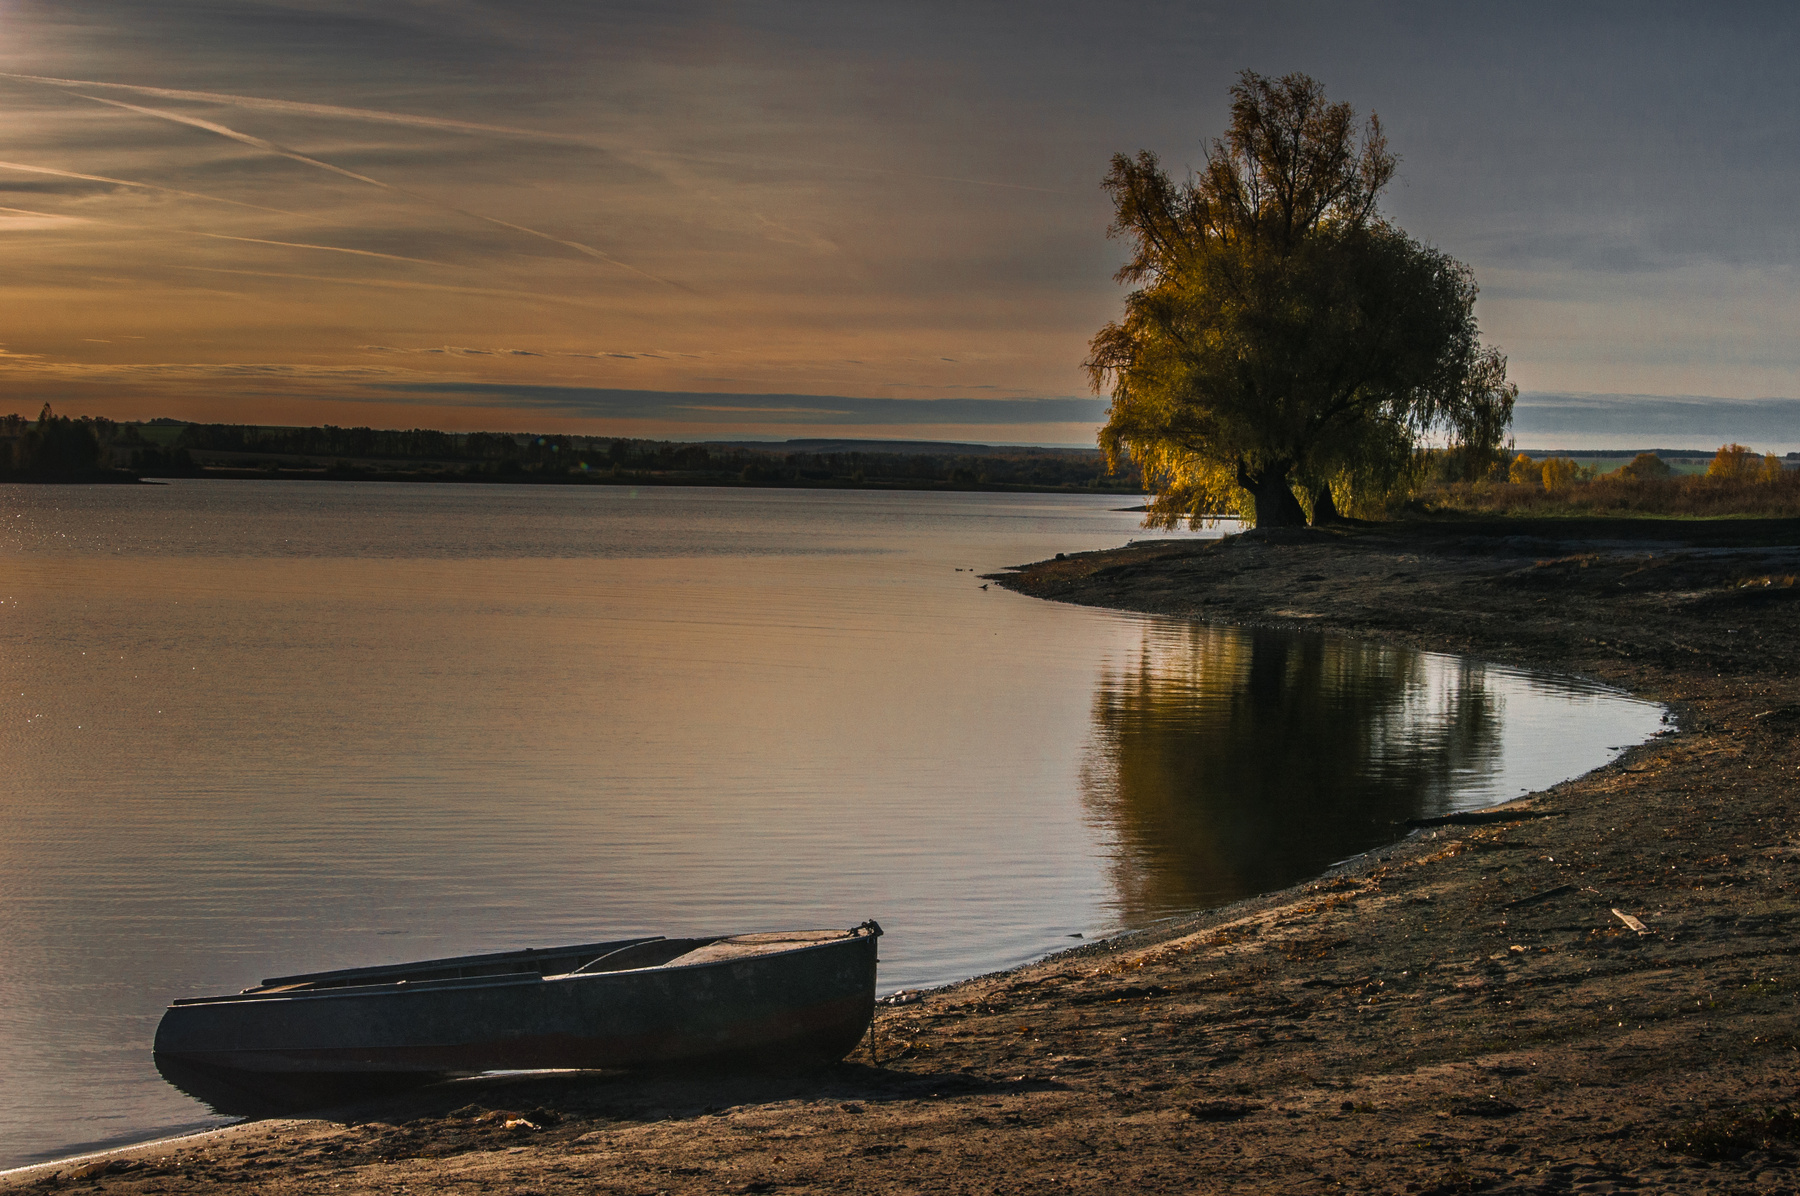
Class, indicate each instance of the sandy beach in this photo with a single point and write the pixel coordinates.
(1592, 989)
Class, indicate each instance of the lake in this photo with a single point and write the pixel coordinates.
(263, 727)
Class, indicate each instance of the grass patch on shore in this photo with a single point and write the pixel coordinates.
(1693, 497)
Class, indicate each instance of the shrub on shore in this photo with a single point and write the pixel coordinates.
(1646, 467)
(1738, 482)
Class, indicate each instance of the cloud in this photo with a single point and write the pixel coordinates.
(23, 220)
(1551, 420)
(254, 142)
(402, 284)
(100, 178)
(690, 407)
(19, 219)
(302, 108)
(899, 385)
(392, 257)
(463, 349)
(271, 147)
(480, 128)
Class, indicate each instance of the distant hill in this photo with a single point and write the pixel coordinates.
(172, 448)
(1610, 452)
(905, 447)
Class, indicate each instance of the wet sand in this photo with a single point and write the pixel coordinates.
(1593, 989)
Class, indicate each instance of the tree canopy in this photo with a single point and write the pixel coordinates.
(62, 444)
(1285, 336)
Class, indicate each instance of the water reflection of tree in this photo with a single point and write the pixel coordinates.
(1229, 762)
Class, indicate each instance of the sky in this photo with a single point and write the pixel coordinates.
(735, 220)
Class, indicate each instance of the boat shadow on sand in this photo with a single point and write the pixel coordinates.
(480, 1112)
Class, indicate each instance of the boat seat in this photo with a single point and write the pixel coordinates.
(747, 946)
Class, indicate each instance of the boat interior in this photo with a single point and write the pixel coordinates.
(584, 959)
(543, 961)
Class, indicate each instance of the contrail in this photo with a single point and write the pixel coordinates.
(392, 257)
(188, 232)
(282, 151)
(757, 160)
(575, 245)
(302, 108)
(399, 284)
(246, 138)
(56, 216)
(100, 178)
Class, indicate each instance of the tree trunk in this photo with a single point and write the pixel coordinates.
(1325, 507)
(1276, 505)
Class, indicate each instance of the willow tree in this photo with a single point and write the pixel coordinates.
(1285, 340)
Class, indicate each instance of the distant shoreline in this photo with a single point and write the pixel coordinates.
(427, 477)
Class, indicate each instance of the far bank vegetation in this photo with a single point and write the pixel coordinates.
(64, 448)
(1738, 481)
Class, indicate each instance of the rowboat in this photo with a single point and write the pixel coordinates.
(791, 998)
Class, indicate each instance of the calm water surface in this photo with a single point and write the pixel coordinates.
(251, 728)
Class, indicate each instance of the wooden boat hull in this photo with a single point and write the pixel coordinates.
(801, 1006)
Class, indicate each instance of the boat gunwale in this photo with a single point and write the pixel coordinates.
(400, 988)
(523, 954)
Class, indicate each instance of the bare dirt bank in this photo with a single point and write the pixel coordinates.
(1462, 1012)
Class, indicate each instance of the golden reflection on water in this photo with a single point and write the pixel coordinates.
(1229, 762)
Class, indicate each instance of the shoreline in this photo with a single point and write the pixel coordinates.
(161, 1141)
(1463, 1010)
(597, 478)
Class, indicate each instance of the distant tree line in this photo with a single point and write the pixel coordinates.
(349, 451)
(64, 445)
(58, 444)
(328, 441)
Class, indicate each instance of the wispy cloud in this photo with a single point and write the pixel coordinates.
(479, 128)
(303, 108)
(23, 219)
(391, 257)
(403, 284)
(182, 118)
(1545, 420)
(27, 168)
(37, 366)
(283, 151)
(699, 407)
